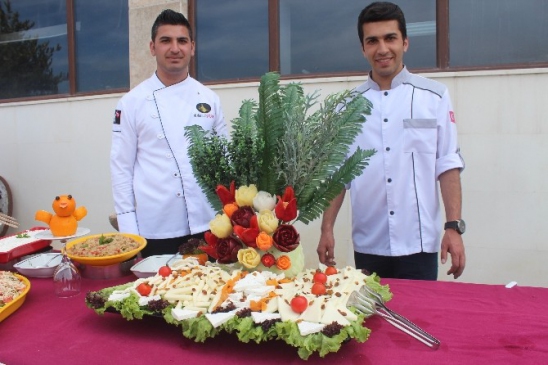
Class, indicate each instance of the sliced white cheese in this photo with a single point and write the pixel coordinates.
(182, 314)
(214, 301)
(249, 281)
(217, 319)
(314, 311)
(307, 328)
(117, 296)
(285, 311)
(144, 300)
(272, 305)
(331, 314)
(346, 313)
(261, 291)
(260, 317)
(236, 297)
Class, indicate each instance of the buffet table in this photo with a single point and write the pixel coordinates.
(476, 324)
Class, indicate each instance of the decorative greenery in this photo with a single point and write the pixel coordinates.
(104, 240)
(279, 142)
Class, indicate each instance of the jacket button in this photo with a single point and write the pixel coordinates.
(169, 155)
(391, 212)
(160, 136)
(175, 174)
(385, 93)
(179, 195)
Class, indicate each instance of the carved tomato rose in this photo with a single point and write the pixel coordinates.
(286, 238)
(242, 216)
(227, 250)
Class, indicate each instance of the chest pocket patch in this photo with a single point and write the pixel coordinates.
(420, 135)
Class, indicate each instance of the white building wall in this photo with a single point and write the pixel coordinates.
(62, 146)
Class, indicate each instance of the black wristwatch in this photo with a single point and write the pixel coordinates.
(457, 225)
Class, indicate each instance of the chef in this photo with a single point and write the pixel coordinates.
(155, 192)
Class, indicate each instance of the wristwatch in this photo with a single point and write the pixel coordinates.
(457, 225)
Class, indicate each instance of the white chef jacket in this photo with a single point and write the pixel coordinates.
(395, 201)
(155, 192)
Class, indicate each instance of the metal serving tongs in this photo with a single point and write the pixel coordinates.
(8, 221)
(370, 302)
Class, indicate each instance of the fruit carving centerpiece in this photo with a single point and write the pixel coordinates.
(282, 164)
(64, 221)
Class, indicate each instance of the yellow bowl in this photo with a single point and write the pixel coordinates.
(106, 260)
(12, 306)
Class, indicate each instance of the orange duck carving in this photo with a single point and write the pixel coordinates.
(65, 220)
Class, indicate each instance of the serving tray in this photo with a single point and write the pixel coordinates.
(12, 306)
(24, 249)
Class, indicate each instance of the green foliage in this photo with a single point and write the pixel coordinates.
(270, 125)
(210, 161)
(279, 142)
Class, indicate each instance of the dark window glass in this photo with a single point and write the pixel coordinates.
(33, 48)
(420, 16)
(496, 32)
(102, 44)
(321, 36)
(231, 39)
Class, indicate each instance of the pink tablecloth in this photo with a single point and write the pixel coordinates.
(477, 324)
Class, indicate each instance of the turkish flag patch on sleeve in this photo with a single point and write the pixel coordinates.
(117, 116)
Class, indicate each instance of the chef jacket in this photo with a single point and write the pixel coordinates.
(155, 192)
(395, 201)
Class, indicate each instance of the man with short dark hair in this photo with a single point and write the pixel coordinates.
(396, 220)
(155, 192)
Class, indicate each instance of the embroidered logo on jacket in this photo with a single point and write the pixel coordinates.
(117, 116)
(452, 116)
(203, 108)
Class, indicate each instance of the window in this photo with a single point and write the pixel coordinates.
(60, 47)
(318, 37)
(302, 38)
(232, 39)
(498, 32)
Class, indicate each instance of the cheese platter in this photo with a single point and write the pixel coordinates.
(255, 306)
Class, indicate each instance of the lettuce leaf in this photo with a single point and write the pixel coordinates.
(247, 330)
(198, 329)
(374, 282)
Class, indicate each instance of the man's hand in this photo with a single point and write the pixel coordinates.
(326, 249)
(452, 244)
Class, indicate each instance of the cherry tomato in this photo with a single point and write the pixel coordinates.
(164, 271)
(320, 277)
(331, 270)
(144, 289)
(318, 289)
(299, 304)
